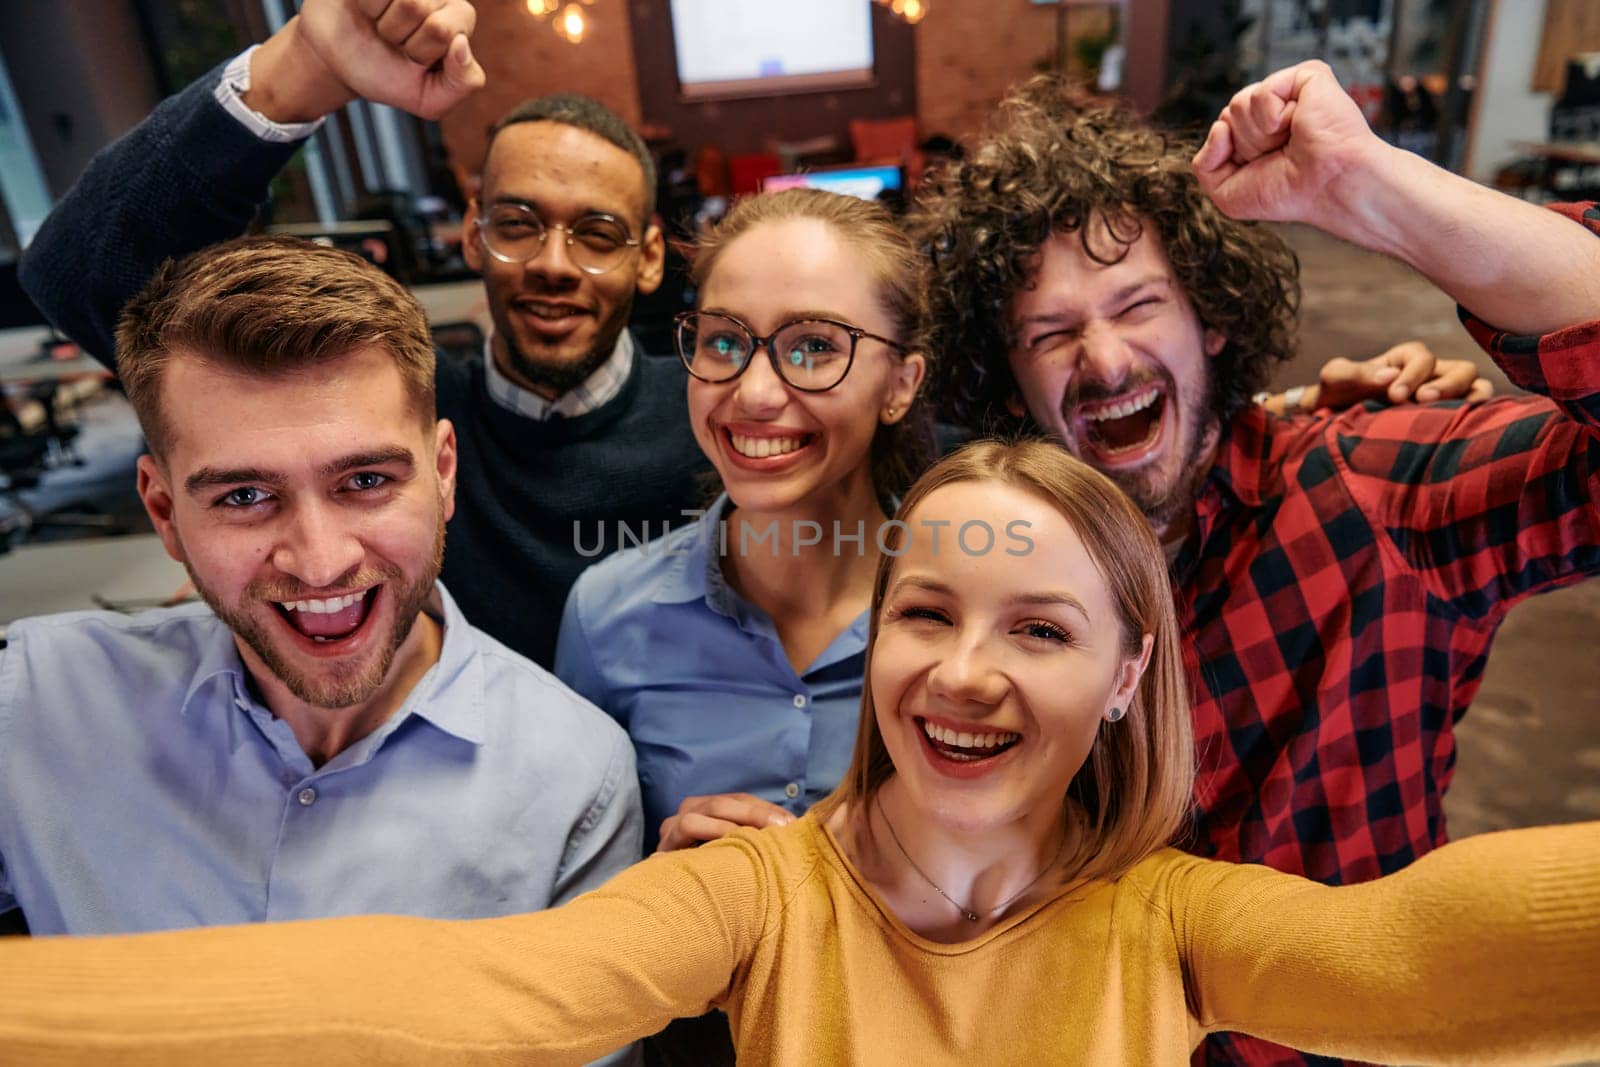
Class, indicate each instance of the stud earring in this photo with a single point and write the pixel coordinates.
(1115, 714)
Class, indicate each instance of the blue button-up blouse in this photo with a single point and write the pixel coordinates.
(699, 679)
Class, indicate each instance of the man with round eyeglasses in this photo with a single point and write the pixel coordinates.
(564, 425)
(514, 233)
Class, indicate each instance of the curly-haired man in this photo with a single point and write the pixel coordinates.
(1339, 577)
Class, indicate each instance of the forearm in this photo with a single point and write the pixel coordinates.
(559, 986)
(289, 83)
(1484, 949)
(1517, 266)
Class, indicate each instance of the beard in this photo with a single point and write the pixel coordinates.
(558, 373)
(337, 685)
(1164, 490)
(560, 376)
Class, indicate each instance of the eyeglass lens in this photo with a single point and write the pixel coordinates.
(811, 354)
(596, 243)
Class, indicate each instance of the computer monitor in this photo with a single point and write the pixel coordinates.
(867, 182)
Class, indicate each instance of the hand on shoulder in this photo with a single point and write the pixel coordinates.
(702, 819)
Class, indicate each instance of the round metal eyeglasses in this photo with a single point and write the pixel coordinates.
(812, 355)
(596, 244)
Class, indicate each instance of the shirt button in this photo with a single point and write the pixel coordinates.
(799, 700)
(791, 790)
(306, 797)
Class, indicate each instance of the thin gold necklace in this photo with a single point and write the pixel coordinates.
(967, 913)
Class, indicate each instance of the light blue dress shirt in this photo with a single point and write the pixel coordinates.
(143, 787)
(699, 679)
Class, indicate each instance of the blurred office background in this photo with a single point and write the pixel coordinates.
(738, 95)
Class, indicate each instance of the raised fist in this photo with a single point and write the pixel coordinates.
(409, 54)
(1280, 148)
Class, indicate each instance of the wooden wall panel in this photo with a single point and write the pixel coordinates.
(1570, 26)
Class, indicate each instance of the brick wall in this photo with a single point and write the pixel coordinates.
(969, 52)
(523, 57)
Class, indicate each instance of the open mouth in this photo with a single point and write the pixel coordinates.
(329, 620)
(766, 450)
(765, 447)
(550, 317)
(967, 746)
(1126, 426)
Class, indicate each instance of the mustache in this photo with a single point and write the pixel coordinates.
(356, 578)
(1091, 391)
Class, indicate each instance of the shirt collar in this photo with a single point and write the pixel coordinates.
(593, 392)
(1243, 474)
(695, 573)
(450, 695)
(1244, 456)
(689, 577)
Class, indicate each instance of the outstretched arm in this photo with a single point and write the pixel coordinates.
(662, 939)
(1295, 147)
(192, 174)
(1484, 950)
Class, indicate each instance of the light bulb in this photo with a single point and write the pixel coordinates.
(540, 8)
(573, 24)
(913, 10)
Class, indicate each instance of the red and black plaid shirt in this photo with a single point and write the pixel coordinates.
(1338, 597)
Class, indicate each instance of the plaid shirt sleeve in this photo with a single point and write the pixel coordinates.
(1563, 365)
(1490, 503)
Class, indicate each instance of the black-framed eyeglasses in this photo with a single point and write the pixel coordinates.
(812, 355)
(596, 243)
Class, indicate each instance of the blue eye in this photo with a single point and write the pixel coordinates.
(243, 497)
(365, 480)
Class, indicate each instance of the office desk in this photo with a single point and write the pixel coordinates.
(44, 578)
(454, 302)
(22, 360)
(1562, 151)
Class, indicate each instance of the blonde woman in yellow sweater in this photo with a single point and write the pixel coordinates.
(990, 885)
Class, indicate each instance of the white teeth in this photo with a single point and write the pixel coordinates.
(967, 740)
(762, 447)
(324, 607)
(1122, 409)
(549, 312)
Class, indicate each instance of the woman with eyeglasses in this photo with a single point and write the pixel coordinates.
(732, 649)
(991, 884)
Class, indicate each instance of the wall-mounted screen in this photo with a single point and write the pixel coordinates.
(865, 182)
(731, 48)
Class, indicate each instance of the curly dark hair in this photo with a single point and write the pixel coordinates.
(1055, 162)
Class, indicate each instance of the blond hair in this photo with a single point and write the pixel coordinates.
(1133, 793)
(267, 306)
(900, 450)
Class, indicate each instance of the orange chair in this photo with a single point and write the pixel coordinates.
(747, 171)
(884, 140)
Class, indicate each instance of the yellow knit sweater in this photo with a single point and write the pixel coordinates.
(1487, 949)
